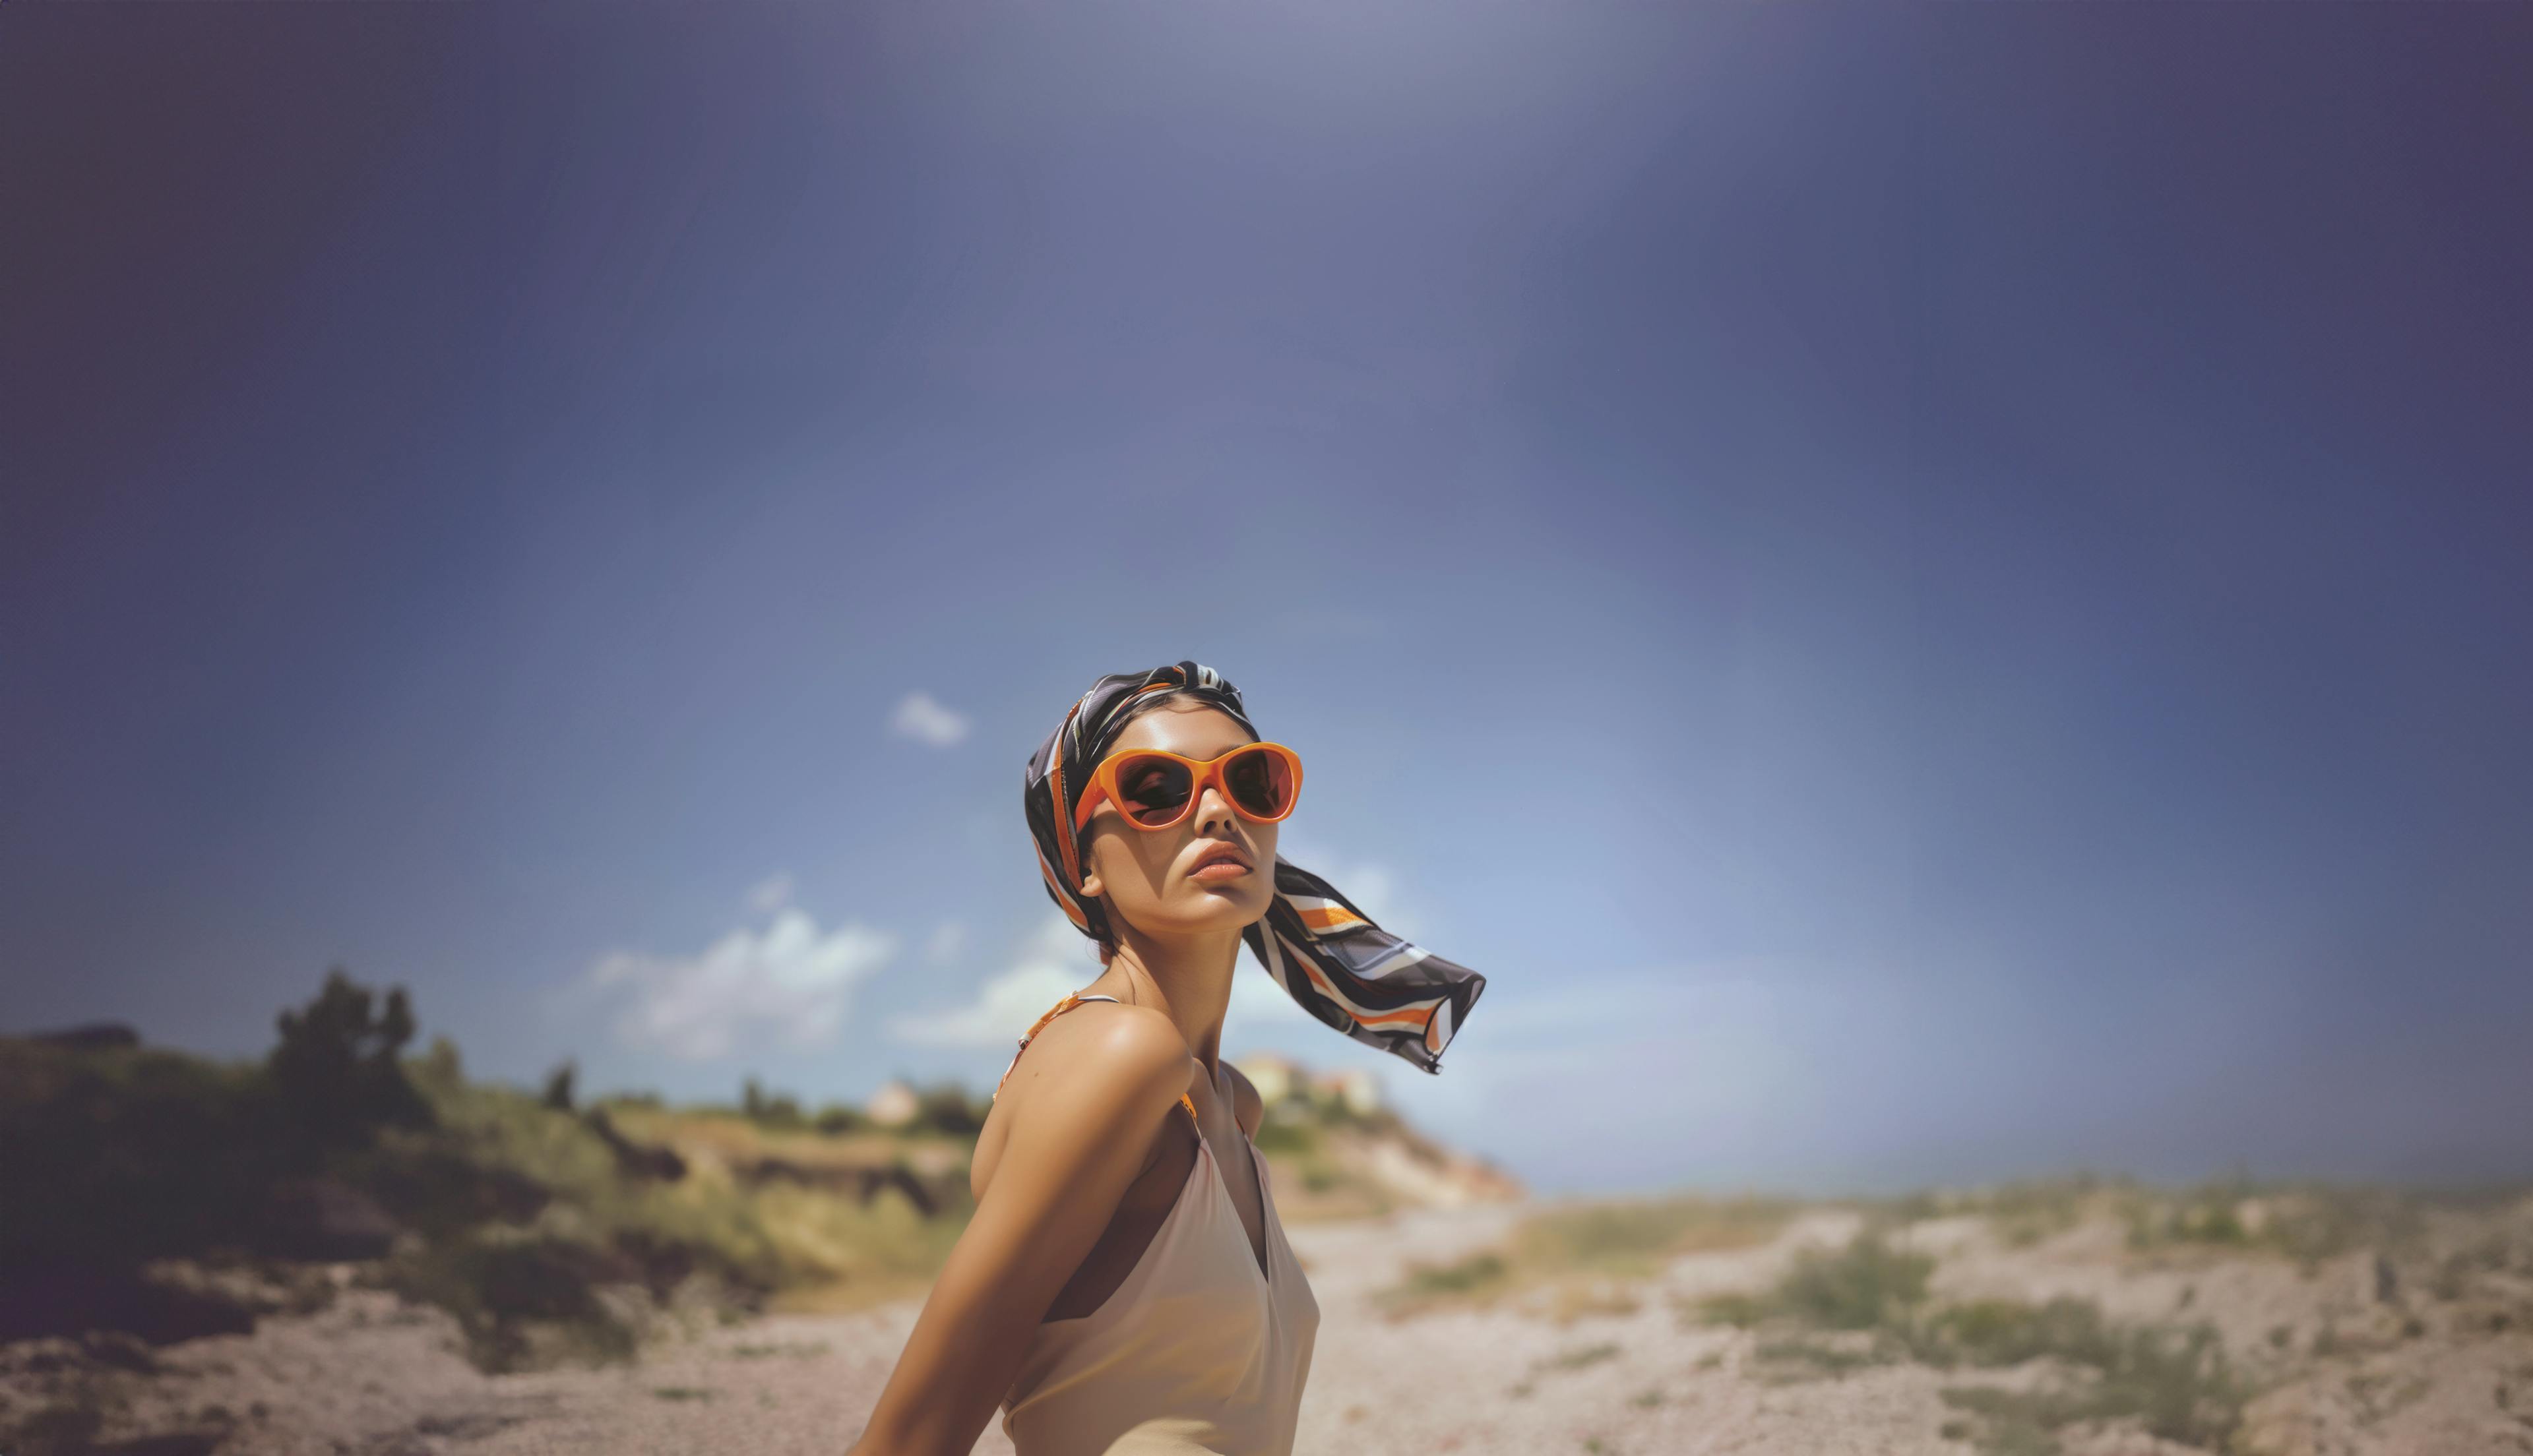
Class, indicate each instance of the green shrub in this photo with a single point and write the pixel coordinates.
(1739, 1310)
(2011, 1422)
(504, 1290)
(2304, 1222)
(2174, 1382)
(2006, 1332)
(2179, 1382)
(1863, 1286)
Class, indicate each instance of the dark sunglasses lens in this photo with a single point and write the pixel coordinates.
(1261, 781)
(1153, 789)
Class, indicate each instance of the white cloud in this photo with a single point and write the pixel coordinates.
(1056, 959)
(948, 940)
(771, 895)
(788, 983)
(920, 718)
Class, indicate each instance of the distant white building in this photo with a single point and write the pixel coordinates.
(891, 1106)
(1352, 1085)
(1276, 1078)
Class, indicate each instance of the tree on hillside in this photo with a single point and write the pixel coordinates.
(946, 1108)
(335, 1066)
(780, 1111)
(559, 1089)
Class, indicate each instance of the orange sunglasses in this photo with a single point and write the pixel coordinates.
(1155, 790)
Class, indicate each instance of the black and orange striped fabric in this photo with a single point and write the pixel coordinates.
(1328, 954)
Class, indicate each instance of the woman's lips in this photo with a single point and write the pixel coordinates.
(1219, 871)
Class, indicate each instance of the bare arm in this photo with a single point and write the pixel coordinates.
(1079, 1133)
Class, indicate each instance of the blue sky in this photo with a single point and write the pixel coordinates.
(1932, 593)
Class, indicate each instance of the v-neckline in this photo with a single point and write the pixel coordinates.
(1222, 1178)
(1263, 1261)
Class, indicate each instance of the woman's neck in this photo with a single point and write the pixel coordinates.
(1187, 980)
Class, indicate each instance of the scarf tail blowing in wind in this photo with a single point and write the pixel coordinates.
(1326, 954)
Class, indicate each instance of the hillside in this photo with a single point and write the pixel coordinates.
(185, 1197)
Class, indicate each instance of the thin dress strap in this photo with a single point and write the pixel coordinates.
(1071, 1000)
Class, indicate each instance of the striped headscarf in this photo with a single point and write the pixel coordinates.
(1326, 954)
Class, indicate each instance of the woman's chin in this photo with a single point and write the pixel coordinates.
(1234, 906)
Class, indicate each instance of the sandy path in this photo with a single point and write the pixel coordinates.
(368, 1377)
(371, 1376)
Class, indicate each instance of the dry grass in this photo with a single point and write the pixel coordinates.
(736, 1143)
(1583, 1298)
(1586, 1254)
(1836, 1311)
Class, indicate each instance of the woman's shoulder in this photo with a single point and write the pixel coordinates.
(1105, 1062)
(1110, 1042)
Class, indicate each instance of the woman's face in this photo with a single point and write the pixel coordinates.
(1145, 875)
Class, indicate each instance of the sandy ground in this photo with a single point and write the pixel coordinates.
(2399, 1373)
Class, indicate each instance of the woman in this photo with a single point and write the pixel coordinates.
(1125, 1285)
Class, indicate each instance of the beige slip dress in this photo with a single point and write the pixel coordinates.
(1199, 1350)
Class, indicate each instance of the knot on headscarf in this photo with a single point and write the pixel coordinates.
(1328, 954)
